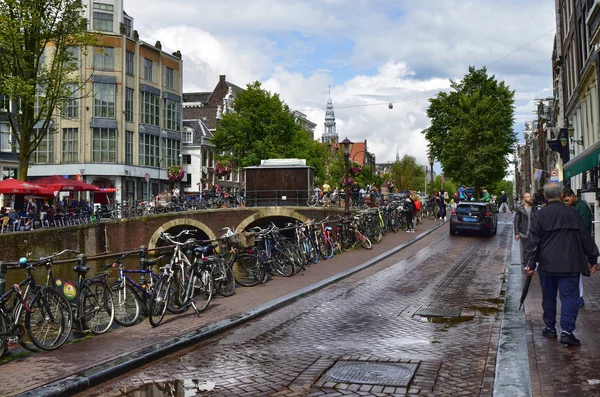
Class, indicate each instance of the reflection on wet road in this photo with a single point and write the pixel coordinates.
(368, 318)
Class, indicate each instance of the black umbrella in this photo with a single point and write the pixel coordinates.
(526, 285)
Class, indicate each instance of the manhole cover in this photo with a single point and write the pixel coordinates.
(438, 312)
(370, 373)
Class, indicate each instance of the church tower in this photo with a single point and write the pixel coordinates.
(329, 136)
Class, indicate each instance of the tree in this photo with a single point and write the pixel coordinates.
(407, 174)
(471, 130)
(263, 127)
(40, 43)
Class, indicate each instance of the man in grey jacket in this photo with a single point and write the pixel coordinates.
(562, 245)
(522, 221)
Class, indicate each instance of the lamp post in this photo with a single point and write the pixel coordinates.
(431, 160)
(346, 147)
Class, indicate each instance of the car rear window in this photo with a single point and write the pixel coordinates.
(465, 209)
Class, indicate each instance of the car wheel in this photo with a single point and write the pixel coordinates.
(452, 232)
(489, 232)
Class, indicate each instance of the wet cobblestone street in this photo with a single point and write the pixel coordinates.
(368, 318)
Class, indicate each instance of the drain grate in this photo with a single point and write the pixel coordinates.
(438, 312)
(371, 373)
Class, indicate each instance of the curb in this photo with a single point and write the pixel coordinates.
(512, 376)
(82, 380)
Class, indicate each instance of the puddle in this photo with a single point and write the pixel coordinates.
(486, 309)
(446, 320)
(173, 388)
(496, 301)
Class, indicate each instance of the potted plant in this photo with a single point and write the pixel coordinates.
(223, 167)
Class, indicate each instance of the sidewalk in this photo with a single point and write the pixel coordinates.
(72, 368)
(557, 370)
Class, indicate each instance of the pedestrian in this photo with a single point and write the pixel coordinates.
(523, 214)
(486, 196)
(503, 202)
(461, 193)
(409, 209)
(538, 198)
(442, 203)
(561, 248)
(582, 208)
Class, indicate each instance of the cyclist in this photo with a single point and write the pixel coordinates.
(462, 196)
(486, 196)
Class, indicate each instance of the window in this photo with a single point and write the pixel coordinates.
(188, 135)
(129, 104)
(104, 145)
(150, 109)
(70, 147)
(171, 115)
(71, 107)
(129, 62)
(170, 79)
(149, 150)
(128, 27)
(74, 54)
(103, 21)
(129, 147)
(104, 58)
(104, 7)
(45, 151)
(4, 103)
(5, 138)
(170, 151)
(187, 159)
(8, 172)
(147, 69)
(104, 100)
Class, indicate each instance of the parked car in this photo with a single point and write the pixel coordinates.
(474, 217)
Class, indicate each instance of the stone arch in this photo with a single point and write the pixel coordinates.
(179, 222)
(271, 211)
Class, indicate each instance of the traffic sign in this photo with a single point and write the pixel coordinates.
(554, 173)
(147, 177)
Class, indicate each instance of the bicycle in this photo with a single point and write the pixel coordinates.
(48, 318)
(132, 298)
(90, 299)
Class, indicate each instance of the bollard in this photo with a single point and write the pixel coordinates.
(143, 251)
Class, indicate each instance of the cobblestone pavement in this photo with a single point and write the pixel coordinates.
(369, 318)
(16, 376)
(557, 370)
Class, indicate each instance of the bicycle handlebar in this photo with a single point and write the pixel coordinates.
(70, 251)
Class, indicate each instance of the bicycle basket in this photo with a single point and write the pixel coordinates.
(241, 240)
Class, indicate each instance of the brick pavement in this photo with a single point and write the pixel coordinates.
(365, 317)
(557, 370)
(52, 366)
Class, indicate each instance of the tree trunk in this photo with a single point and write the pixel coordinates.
(23, 166)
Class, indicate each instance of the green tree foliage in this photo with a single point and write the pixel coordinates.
(40, 43)
(263, 127)
(449, 186)
(407, 174)
(471, 130)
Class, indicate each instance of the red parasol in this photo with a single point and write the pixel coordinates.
(16, 186)
(62, 184)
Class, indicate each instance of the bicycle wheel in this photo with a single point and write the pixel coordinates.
(248, 270)
(311, 201)
(313, 251)
(3, 334)
(159, 301)
(283, 264)
(223, 278)
(96, 307)
(203, 289)
(50, 321)
(177, 289)
(127, 305)
(325, 246)
(364, 241)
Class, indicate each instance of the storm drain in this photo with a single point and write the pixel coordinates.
(438, 312)
(371, 373)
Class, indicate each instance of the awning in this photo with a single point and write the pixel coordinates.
(586, 160)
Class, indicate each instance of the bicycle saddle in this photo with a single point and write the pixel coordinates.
(81, 269)
(207, 249)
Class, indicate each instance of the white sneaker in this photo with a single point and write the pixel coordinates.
(412, 230)
(444, 218)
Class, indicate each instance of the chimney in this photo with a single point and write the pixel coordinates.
(222, 78)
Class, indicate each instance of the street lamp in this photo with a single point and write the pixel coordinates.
(346, 147)
(431, 160)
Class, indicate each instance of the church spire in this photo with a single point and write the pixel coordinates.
(330, 135)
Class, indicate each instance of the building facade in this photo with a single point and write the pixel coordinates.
(121, 129)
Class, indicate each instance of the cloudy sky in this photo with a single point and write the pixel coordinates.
(370, 52)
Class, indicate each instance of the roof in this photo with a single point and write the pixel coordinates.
(281, 163)
(208, 115)
(200, 97)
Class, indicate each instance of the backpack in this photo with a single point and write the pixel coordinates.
(417, 205)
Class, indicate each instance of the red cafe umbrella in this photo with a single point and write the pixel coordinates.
(16, 186)
(62, 184)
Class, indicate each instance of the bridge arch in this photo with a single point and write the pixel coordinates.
(179, 222)
(271, 212)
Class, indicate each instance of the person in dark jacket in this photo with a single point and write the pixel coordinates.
(562, 245)
(523, 214)
(582, 208)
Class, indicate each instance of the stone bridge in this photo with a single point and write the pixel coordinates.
(130, 233)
